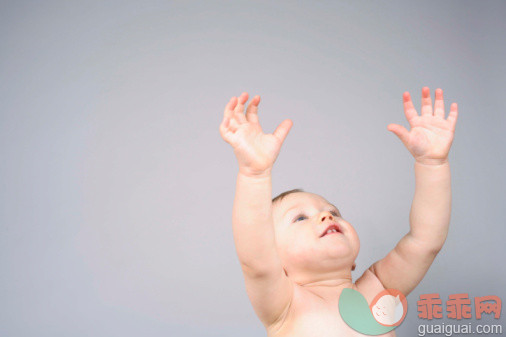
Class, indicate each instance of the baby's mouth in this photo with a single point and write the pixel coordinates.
(332, 229)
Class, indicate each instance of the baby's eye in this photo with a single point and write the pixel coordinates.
(300, 216)
(335, 213)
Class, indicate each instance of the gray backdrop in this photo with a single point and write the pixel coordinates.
(116, 187)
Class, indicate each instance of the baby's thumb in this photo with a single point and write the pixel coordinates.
(400, 131)
(283, 129)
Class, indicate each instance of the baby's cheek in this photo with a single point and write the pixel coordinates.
(304, 253)
(290, 245)
(355, 241)
(285, 245)
(297, 250)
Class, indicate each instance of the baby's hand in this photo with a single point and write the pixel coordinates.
(431, 134)
(256, 151)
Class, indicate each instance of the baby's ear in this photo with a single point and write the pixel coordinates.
(354, 266)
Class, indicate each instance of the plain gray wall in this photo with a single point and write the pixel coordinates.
(116, 188)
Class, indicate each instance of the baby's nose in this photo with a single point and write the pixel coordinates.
(325, 216)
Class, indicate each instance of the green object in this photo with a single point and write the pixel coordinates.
(355, 312)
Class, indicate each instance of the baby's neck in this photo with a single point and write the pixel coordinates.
(328, 287)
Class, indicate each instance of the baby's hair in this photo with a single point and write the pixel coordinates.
(284, 194)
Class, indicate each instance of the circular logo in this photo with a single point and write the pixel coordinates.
(386, 311)
(389, 307)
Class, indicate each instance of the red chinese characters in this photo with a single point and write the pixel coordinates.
(483, 305)
(458, 306)
(429, 306)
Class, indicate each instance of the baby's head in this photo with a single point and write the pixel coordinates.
(312, 238)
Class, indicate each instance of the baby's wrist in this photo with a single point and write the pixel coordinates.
(432, 161)
(253, 174)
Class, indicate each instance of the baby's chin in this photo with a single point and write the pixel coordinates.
(323, 261)
(334, 265)
(318, 270)
(338, 250)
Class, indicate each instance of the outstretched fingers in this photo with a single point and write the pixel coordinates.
(409, 109)
(439, 105)
(228, 114)
(239, 109)
(453, 115)
(252, 110)
(426, 102)
(400, 131)
(282, 130)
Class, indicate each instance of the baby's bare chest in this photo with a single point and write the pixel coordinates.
(311, 317)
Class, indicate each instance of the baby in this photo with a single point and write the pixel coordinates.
(297, 252)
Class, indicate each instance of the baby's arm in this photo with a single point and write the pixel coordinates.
(269, 289)
(429, 142)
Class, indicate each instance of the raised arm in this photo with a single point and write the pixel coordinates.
(269, 289)
(429, 141)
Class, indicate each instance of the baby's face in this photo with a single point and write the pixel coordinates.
(301, 223)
